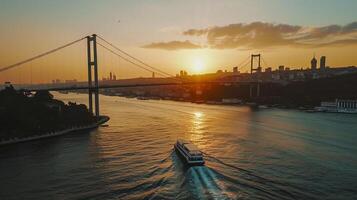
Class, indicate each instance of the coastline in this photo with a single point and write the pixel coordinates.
(102, 120)
(254, 105)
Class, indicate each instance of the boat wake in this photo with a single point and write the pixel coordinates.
(200, 182)
(203, 184)
(224, 163)
(252, 181)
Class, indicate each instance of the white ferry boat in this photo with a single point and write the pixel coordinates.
(190, 152)
(338, 106)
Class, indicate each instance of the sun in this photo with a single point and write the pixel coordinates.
(198, 65)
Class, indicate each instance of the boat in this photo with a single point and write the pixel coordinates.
(190, 152)
(338, 106)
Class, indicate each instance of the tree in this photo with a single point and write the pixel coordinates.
(43, 95)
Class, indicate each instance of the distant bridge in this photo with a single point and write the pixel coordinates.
(140, 85)
(93, 82)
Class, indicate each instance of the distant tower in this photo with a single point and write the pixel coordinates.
(281, 68)
(322, 62)
(313, 63)
(235, 70)
(153, 74)
(110, 76)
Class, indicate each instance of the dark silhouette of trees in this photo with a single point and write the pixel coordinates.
(22, 115)
(43, 96)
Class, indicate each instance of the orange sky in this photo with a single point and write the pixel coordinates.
(201, 37)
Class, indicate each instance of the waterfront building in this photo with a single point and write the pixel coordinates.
(71, 81)
(56, 81)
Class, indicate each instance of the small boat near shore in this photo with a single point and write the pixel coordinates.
(190, 152)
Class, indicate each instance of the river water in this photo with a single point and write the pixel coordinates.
(250, 154)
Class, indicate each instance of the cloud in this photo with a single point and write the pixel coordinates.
(262, 35)
(173, 45)
(171, 29)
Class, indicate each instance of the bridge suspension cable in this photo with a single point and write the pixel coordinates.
(113, 52)
(265, 63)
(40, 55)
(244, 64)
(139, 65)
(136, 59)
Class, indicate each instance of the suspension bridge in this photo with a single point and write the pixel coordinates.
(92, 43)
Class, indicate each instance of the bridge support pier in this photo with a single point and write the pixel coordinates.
(255, 76)
(250, 90)
(93, 88)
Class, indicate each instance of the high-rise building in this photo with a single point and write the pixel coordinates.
(322, 62)
(110, 76)
(235, 69)
(281, 68)
(313, 63)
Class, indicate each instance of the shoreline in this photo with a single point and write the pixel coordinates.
(254, 105)
(14, 140)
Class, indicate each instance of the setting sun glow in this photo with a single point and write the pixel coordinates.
(198, 66)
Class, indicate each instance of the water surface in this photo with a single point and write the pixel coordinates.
(250, 154)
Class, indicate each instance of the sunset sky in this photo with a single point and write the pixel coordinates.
(198, 36)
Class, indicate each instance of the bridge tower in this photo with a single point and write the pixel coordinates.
(252, 69)
(257, 69)
(93, 87)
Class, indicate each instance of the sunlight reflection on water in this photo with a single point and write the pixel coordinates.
(250, 154)
(196, 132)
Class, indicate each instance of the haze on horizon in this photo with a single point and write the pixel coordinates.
(198, 36)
